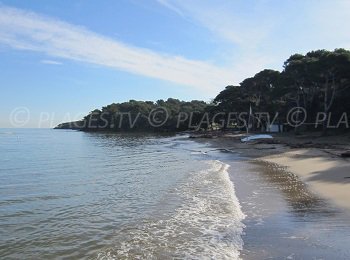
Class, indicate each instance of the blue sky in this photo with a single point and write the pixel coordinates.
(60, 59)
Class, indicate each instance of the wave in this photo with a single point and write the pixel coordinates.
(207, 224)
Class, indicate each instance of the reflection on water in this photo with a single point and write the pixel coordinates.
(86, 195)
(79, 195)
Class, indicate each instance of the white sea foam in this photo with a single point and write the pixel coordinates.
(207, 224)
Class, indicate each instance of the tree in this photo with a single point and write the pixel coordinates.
(314, 81)
(332, 75)
(261, 87)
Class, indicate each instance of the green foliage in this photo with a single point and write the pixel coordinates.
(136, 115)
(318, 81)
(315, 81)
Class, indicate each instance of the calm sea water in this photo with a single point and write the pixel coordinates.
(72, 194)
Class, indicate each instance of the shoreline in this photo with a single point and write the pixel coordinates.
(326, 175)
(286, 216)
(316, 162)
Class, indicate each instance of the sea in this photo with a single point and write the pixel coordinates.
(77, 195)
(95, 195)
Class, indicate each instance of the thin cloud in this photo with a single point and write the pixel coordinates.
(51, 62)
(239, 34)
(29, 31)
(225, 19)
(171, 7)
(266, 32)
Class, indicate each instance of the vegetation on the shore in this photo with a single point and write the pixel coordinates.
(136, 116)
(318, 82)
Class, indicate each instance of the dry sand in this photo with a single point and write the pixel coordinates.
(326, 174)
(314, 159)
(287, 219)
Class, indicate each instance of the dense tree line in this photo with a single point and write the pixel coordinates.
(318, 82)
(169, 115)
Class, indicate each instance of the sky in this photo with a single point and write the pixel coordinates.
(61, 59)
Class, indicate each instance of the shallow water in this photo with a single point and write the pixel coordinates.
(110, 196)
(284, 218)
(67, 194)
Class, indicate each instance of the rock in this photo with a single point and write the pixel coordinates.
(345, 154)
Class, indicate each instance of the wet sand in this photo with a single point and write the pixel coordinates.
(322, 169)
(290, 213)
(285, 220)
(326, 174)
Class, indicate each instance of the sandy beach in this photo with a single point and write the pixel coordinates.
(326, 174)
(294, 193)
(317, 161)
